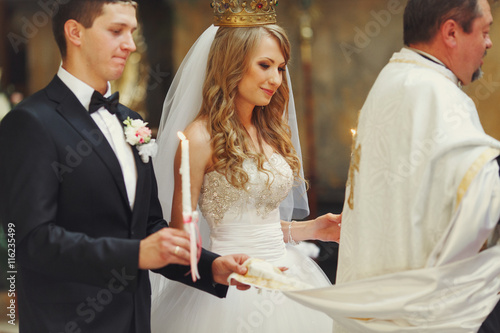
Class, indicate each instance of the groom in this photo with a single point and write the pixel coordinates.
(77, 198)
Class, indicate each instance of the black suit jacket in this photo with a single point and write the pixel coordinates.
(77, 239)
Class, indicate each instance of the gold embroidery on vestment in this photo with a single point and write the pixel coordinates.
(485, 157)
(354, 166)
(413, 62)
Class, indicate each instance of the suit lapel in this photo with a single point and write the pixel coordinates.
(75, 114)
(141, 173)
(140, 166)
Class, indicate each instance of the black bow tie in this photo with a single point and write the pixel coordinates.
(97, 101)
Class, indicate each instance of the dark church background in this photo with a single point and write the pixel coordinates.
(338, 49)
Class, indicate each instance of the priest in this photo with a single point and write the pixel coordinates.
(418, 246)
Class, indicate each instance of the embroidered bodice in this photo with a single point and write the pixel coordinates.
(247, 219)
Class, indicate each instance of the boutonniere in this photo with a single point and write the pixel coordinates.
(139, 135)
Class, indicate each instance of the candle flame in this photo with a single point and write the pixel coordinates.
(353, 131)
(181, 136)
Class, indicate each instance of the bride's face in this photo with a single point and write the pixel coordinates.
(263, 77)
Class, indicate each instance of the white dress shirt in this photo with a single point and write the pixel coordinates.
(110, 126)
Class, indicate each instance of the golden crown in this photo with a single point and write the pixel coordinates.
(244, 13)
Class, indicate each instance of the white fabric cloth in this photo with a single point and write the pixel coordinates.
(110, 126)
(243, 221)
(422, 198)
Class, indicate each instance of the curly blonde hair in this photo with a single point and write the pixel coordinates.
(228, 62)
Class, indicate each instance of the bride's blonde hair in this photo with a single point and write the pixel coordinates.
(228, 62)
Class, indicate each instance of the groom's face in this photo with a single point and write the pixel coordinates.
(107, 44)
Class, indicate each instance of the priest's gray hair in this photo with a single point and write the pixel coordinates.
(423, 18)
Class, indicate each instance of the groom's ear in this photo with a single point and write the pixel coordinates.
(73, 32)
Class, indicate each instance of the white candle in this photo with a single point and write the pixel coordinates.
(190, 217)
(187, 208)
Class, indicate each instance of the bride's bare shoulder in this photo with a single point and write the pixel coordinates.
(197, 133)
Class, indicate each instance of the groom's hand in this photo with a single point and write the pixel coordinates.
(223, 266)
(167, 246)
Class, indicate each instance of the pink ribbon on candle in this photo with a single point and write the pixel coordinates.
(191, 226)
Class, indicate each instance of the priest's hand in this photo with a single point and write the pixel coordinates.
(223, 266)
(164, 247)
(327, 227)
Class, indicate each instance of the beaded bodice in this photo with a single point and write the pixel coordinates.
(252, 212)
(263, 192)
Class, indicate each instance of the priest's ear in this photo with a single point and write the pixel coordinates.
(449, 32)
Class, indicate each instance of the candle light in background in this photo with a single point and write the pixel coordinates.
(354, 132)
(190, 218)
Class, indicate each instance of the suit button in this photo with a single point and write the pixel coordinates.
(132, 233)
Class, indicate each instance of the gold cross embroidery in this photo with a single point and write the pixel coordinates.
(354, 166)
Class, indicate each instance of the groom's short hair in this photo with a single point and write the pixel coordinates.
(423, 18)
(82, 11)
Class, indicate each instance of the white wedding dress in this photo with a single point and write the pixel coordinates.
(244, 221)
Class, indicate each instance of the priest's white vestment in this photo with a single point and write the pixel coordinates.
(423, 197)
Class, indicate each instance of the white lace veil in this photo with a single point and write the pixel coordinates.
(181, 106)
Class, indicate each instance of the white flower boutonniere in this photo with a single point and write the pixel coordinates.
(139, 135)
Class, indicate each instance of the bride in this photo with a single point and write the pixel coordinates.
(245, 162)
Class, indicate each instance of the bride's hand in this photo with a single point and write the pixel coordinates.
(327, 227)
